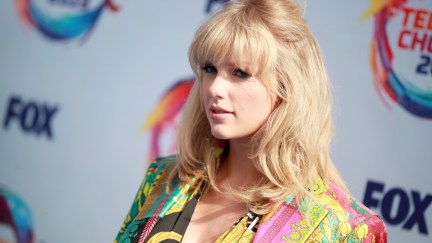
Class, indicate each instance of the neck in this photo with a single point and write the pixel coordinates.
(237, 169)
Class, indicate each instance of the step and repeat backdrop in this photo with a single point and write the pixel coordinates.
(91, 90)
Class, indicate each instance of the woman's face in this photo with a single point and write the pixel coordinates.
(236, 102)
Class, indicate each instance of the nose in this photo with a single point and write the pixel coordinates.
(217, 87)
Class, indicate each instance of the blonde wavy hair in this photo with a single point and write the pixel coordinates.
(291, 150)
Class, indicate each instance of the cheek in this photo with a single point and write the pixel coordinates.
(268, 105)
(264, 106)
(204, 91)
(259, 104)
(262, 99)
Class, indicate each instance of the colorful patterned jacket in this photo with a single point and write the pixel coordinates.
(332, 216)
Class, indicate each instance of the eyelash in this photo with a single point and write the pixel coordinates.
(206, 68)
(241, 74)
(210, 69)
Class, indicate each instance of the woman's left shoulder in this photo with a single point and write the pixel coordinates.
(330, 214)
(347, 216)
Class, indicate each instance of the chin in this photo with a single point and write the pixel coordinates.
(220, 134)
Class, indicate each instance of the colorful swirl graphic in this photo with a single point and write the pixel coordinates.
(413, 99)
(15, 213)
(165, 112)
(65, 27)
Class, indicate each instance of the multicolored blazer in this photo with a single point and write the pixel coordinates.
(331, 216)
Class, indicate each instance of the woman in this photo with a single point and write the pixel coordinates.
(253, 150)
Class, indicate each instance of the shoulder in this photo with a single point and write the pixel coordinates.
(162, 163)
(347, 219)
(329, 215)
(155, 179)
(157, 171)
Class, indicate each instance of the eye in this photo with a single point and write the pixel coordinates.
(241, 74)
(209, 68)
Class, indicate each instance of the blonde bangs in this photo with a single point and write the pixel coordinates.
(242, 42)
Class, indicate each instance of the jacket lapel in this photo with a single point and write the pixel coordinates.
(161, 203)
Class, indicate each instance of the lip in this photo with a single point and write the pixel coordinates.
(218, 113)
